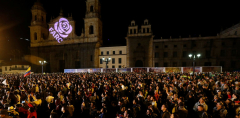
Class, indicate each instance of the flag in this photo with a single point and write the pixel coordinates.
(28, 72)
(4, 82)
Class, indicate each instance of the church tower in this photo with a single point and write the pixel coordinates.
(92, 20)
(38, 28)
(139, 45)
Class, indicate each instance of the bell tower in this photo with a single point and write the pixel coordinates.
(38, 28)
(92, 20)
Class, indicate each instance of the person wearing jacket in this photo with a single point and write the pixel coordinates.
(201, 102)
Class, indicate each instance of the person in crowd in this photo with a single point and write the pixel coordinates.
(127, 95)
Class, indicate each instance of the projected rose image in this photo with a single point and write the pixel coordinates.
(61, 29)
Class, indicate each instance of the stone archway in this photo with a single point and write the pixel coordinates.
(138, 63)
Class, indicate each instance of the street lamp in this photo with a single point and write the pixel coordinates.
(42, 62)
(107, 60)
(194, 56)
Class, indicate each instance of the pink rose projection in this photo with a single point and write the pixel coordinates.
(61, 29)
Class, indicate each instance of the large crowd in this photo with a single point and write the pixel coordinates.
(121, 95)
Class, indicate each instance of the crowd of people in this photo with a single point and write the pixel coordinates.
(121, 95)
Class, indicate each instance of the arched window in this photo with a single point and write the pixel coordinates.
(91, 9)
(35, 36)
(91, 30)
(35, 17)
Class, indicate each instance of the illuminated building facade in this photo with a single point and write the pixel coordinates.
(57, 43)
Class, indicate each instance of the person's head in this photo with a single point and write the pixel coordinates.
(202, 100)
(228, 101)
(200, 108)
(219, 105)
(190, 95)
(234, 96)
(228, 92)
(164, 108)
(148, 112)
(134, 102)
(219, 92)
(237, 87)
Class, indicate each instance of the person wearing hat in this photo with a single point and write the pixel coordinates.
(49, 98)
(12, 112)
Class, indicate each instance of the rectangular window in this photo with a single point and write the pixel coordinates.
(222, 53)
(10, 68)
(174, 64)
(101, 52)
(184, 64)
(113, 66)
(120, 52)
(91, 58)
(156, 64)
(156, 54)
(113, 60)
(233, 53)
(5, 68)
(175, 46)
(135, 31)
(101, 61)
(113, 52)
(156, 46)
(119, 66)
(119, 60)
(222, 63)
(174, 54)
(208, 53)
(233, 64)
(107, 52)
(165, 54)
(165, 46)
(165, 64)
(184, 54)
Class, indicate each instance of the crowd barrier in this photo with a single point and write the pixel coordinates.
(148, 69)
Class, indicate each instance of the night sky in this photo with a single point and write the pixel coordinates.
(167, 19)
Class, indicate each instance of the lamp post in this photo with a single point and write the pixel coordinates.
(107, 60)
(42, 62)
(194, 56)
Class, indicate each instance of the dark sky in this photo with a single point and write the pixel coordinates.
(167, 19)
